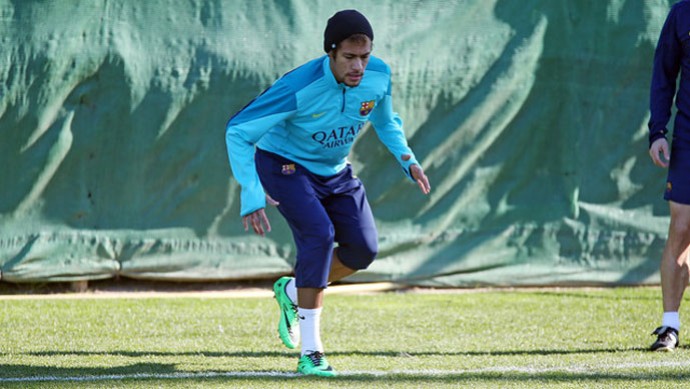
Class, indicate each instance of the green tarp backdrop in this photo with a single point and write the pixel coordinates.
(529, 117)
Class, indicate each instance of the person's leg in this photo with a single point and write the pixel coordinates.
(357, 239)
(314, 239)
(338, 269)
(313, 297)
(674, 260)
(310, 298)
(300, 204)
(673, 268)
(311, 303)
(355, 230)
(314, 236)
(674, 272)
(311, 306)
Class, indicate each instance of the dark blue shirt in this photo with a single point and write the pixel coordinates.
(672, 56)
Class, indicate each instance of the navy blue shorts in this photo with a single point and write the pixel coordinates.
(678, 181)
(321, 211)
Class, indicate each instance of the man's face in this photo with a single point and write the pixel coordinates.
(349, 61)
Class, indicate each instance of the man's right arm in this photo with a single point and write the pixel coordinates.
(245, 129)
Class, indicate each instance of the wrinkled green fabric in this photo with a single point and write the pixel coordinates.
(529, 117)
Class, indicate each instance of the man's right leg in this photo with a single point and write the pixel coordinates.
(287, 295)
(292, 186)
(674, 273)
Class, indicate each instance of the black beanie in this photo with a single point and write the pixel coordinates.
(343, 25)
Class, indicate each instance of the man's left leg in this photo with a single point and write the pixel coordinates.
(355, 232)
(338, 269)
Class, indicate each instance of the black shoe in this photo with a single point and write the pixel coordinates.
(667, 339)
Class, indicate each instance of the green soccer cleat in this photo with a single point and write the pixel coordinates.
(315, 364)
(288, 326)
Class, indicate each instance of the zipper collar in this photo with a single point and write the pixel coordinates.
(330, 78)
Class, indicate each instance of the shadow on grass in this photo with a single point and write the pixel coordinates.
(291, 354)
(474, 378)
(52, 372)
(151, 372)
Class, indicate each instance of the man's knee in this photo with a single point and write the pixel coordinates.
(360, 255)
(679, 226)
(679, 229)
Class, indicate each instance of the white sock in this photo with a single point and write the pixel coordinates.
(671, 319)
(310, 327)
(291, 290)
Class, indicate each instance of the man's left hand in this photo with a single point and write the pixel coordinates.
(417, 173)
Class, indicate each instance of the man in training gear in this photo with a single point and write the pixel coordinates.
(289, 147)
(672, 57)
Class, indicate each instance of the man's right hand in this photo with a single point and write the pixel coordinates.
(259, 222)
(659, 152)
(258, 219)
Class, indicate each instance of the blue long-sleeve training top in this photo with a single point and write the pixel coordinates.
(672, 56)
(308, 117)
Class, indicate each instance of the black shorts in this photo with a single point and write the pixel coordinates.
(678, 180)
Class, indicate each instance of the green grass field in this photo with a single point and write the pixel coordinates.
(567, 338)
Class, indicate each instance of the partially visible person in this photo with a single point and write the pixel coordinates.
(289, 147)
(671, 59)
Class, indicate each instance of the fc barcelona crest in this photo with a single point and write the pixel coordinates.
(288, 169)
(366, 107)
